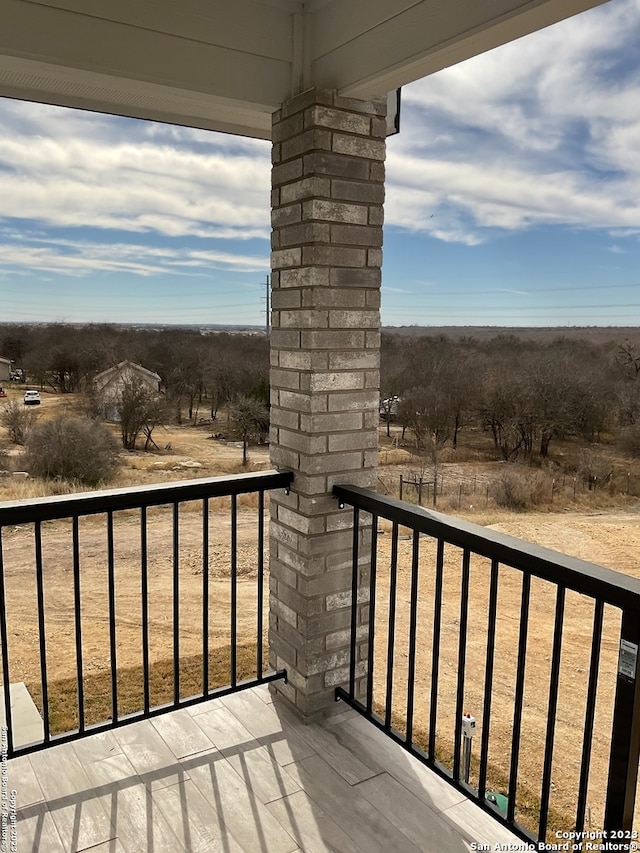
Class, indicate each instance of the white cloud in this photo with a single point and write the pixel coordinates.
(90, 171)
(544, 131)
(79, 258)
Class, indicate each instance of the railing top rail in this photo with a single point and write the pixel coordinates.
(89, 503)
(587, 578)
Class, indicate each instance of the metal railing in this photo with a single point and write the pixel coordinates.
(404, 688)
(158, 511)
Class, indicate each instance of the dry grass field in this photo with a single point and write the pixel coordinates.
(608, 533)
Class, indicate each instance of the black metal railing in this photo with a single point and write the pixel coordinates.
(53, 553)
(479, 604)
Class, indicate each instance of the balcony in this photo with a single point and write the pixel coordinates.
(137, 621)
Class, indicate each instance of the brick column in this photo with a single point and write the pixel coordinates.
(327, 196)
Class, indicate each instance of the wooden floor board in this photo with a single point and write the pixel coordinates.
(243, 775)
(130, 808)
(238, 806)
(368, 829)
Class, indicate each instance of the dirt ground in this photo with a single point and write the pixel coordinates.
(610, 538)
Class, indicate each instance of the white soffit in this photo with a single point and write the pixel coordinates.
(228, 64)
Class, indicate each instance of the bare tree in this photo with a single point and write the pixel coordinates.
(17, 420)
(138, 410)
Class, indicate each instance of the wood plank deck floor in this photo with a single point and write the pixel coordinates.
(240, 775)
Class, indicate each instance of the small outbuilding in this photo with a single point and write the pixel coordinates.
(5, 369)
(110, 384)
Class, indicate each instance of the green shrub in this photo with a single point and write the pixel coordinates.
(67, 448)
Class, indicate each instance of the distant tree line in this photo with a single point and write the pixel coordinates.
(194, 368)
(524, 394)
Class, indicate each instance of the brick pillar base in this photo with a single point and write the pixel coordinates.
(328, 191)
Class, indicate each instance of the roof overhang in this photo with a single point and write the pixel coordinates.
(228, 66)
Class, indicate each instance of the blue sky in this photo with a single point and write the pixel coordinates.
(513, 198)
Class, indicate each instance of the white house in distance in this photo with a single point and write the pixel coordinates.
(5, 369)
(110, 384)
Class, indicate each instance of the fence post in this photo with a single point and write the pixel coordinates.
(420, 492)
(625, 735)
(574, 488)
(401, 482)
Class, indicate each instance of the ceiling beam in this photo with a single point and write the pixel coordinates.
(366, 50)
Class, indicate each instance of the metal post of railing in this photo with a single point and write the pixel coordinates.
(468, 731)
(625, 736)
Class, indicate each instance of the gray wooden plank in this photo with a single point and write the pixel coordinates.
(128, 803)
(21, 777)
(286, 747)
(37, 832)
(111, 846)
(195, 823)
(181, 733)
(262, 774)
(79, 818)
(354, 767)
(239, 807)
(311, 827)
(260, 719)
(378, 750)
(263, 691)
(96, 747)
(273, 726)
(368, 829)
(224, 729)
(150, 755)
(422, 826)
(475, 825)
(341, 717)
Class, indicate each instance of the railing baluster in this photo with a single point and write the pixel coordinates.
(41, 630)
(260, 584)
(205, 596)
(462, 659)
(519, 694)
(625, 736)
(78, 620)
(590, 713)
(413, 631)
(234, 590)
(354, 603)
(435, 648)
(176, 604)
(392, 624)
(111, 580)
(488, 680)
(144, 592)
(567, 573)
(106, 504)
(4, 646)
(551, 713)
(372, 612)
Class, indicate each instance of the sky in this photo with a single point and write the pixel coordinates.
(513, 199)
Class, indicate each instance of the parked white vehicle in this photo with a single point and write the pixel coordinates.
(32, 398)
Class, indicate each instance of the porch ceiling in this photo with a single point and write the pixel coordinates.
(227, 66)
